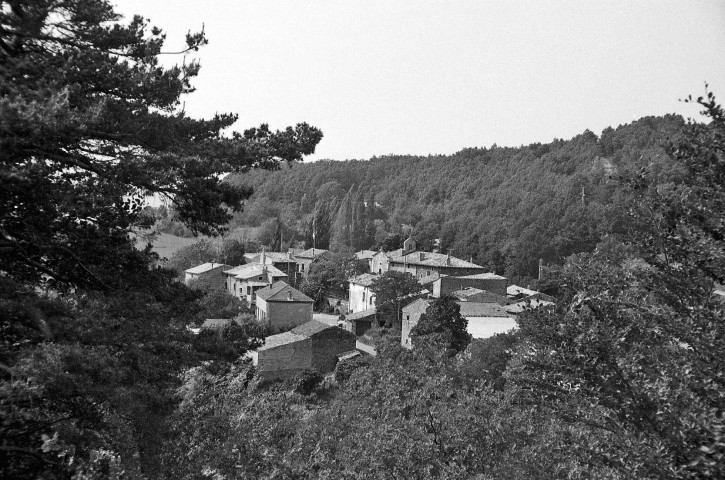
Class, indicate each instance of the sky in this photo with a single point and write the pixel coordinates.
(426, 77)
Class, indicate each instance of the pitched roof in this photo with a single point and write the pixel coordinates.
(360, 315)
(253, 270)
(364, 279)
(311, 253)
(515, 290)
(204, 267)
(281, 292)
(484, 276)
(430, 259)
(365, 254)
(310, 328)
(471, 309)
(468, 292)
(280, 339)
(270, 257)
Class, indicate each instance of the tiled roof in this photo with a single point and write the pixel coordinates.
(280, 291)
(515, 290)
(310, 328)
(468, 292)
(365, 254)
(280, 339)
(471, 309)
(254, 269)
(269, 257)
(364, 279)
(311, 253)
(484, 276)
(359, 315)
(432, 260)
(204, 267)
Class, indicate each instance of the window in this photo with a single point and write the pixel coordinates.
(249, 290)
(363, 297)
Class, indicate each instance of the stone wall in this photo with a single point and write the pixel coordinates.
(327, 345)
(285, 313)
(284, 361)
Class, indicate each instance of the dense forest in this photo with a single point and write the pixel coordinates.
(102, 378)
(505, 208)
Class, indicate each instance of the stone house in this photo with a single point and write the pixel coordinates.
(245, 280)
(490, 282)
(380, 262)
(366, 255)
(313, 345)
(410, 317)
(484, 319)
(421, 264)
(282, 305)
(360, 296)
(212, 271)
(305, 258)
(283, 261)
(360, 322)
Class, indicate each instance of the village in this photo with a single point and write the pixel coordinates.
(316, 340)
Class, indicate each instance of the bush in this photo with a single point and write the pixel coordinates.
(308, 381)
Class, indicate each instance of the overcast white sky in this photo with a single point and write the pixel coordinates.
(420, 77)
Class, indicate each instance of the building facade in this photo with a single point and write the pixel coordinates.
(281, 305)
(313, 345)
(360, 296)
(212, 271)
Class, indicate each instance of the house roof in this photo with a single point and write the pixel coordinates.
(468, 292)
(365, 254)
(204, 267)
(311, 253)
(416, 305)
(310, 328)
(280, 339)
(270, 257)
(253, 270)
(364, 279)
(282, 292)
(472, 309)
(360, 315)
(484, 276)
(430, 259)
(515, 290)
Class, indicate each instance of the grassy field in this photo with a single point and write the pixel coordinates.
(165, 245)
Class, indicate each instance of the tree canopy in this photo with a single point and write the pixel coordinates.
(94, 335)
(91, 125)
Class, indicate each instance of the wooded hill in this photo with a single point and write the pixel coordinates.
(502, 207)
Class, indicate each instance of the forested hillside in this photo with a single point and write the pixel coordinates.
(502, 207)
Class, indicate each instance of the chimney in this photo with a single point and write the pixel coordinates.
(421, 256)
(262, 257)
(448, 259)
(289, 295)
